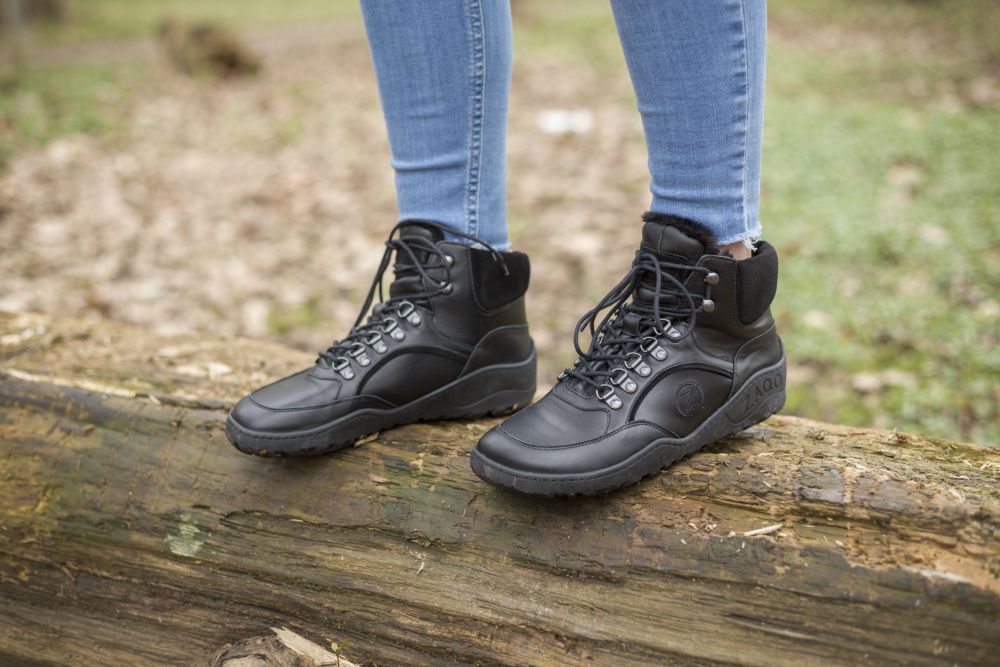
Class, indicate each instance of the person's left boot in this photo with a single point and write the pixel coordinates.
(687, 355)
(451, 342)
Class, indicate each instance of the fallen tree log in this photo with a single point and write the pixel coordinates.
(132, 533)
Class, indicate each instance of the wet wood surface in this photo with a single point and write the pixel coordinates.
(132, 533)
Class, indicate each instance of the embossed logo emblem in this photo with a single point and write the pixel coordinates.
(689, 398)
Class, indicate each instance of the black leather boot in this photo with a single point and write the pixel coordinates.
(687, 354)
(451, 342)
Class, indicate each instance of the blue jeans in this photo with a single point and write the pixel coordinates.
(697, 67)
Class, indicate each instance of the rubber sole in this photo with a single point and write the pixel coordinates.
(492, 391)
(760, 397)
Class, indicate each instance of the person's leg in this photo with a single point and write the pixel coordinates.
(451, 341)
(688, 352)
(697, 67)
(443, 70)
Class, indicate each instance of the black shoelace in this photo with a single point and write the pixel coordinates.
(633, 328)
(424, 256)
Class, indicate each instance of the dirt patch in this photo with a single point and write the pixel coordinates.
(259, 207)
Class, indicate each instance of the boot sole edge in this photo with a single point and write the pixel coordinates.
(517, 384)
(752, 404)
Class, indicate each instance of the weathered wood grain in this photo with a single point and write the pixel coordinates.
(132, 533)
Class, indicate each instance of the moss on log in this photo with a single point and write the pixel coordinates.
(132, 533)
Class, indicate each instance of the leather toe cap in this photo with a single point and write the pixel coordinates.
(552, 422)
(499, 448)
(297, 402)
(587, 456)
(251, 415)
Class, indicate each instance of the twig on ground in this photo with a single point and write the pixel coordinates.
(764, 531)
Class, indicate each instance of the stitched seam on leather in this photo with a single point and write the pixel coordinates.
(669, 370)
(606, 411)
(750, 342)
(339, 424)
(398, 351)
(321, 405)
(488, 335)
(587, 442)
(774, 325)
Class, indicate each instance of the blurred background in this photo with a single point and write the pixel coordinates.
(221, 166)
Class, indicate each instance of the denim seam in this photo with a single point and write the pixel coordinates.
(478, 76)
(746, 119)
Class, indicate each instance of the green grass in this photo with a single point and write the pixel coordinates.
(881, 189)
(118, 19)
(888, 223)
(309, 314)
(39, 104)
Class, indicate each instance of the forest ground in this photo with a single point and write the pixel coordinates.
(258, 206)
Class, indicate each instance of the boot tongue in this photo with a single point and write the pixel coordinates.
(411, 282)
(675, 240)
(670, 239)
(415, 230)
(672, 243)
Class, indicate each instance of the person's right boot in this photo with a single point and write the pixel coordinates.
(687, 355)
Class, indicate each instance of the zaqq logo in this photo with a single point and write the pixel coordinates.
(689, 398)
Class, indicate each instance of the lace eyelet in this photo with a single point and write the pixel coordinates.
(609, 397)
(376, 342)
(447, 288)
(635, 363)
(359, 353)
(619, 378)
(651, 346)
(405, 308)
(414, 319)
(391, 327)
(373, 338)
(708, 305)
(449, 260)
(669, 329)
(343, 367)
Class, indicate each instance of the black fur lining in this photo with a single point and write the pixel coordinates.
(695, 230)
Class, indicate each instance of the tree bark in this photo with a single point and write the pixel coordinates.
(132, 533)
